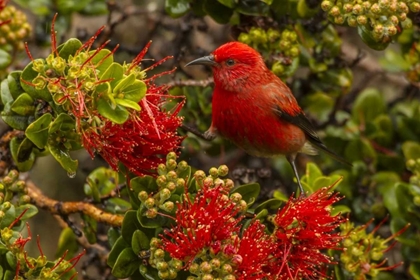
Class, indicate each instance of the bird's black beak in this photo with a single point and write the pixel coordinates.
(205, 60)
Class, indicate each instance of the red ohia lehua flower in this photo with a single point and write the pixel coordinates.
(143, 140)
(254, 252)
(205, 222)
(304, 227)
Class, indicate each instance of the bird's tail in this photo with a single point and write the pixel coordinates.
(321, 146)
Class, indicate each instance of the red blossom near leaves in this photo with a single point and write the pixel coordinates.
(142, 142)
(255, 249)
(205, 222)
(304, 227)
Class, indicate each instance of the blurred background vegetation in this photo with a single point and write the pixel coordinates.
(353, 65)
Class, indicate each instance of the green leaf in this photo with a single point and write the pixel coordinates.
(28, 75)
(411, 150)
(394, 62)
(37, 131)
(63, 157)
(9, 217)
(123, 83)
(5, 59)
(113, 235)
(90, 226)
(99, 58)
(14, 150)
(360, 149)
(69, 48)
(177, 8)
(100, 182)
(129, 225)
(6, 95)
(139, 242)
(368, 105)
(340, 209)
(146, 183)
(62, 123)
(118, 115)
(117, 248)
(135, 91)
(31, 210)
(128, 104)
(271, 204)
(227, 3)
(414, 270)
(249, 192)
(219, 12)
(70, 6)
(151, 273)
(67, 242)
(114, 72)
(23, 105)
(146, 222)
(280, 196)
(24, 151)
(127, 263)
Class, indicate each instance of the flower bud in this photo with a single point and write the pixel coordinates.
(171, 186)
(392, 30)
(362, 20)
(339, 19)
(149, 203)
(205, 267)
(182, 165)
(244, 38)
(236, 197)
(326, 5)
(199, 175)
(357, 9)
(402, 7)
(335, 11)
(155, 242)
(208, 182)
(273, 35)
(229, 184)
(402, 16)
(215, 263)
(161, 169)
(227, 268)
(414, 7)
(171, 164)
(163, 274)
(162, 266)
(352, 21)
(151, 213)
(168, 206)
(165, 193)
(394, 20)
(194, 268)
(143, 196)
(416, 200)
(176, 264)
(180, 183)
(375, 9)
(223, 170)
(159, 254)
(348, 7)
(213, 172)
(172, 176)
(6, 205)
(171, 155)
(229, 277)
(383, 4)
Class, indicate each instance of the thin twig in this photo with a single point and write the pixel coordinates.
(191, 83)
(67, 208)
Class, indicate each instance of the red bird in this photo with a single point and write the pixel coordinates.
(254, 109)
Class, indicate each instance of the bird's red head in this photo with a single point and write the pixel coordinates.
(234, 65)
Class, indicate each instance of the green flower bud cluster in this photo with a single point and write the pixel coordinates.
(11, 187)
(215, 266)
(363, 252)
(383, 18)
(167, 269)
(169, 182)
(282, 47)
(14, 28)
(414, 166)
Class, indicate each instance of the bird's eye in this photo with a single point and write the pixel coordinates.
(230, 62)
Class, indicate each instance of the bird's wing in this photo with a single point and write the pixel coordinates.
(300, 120)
